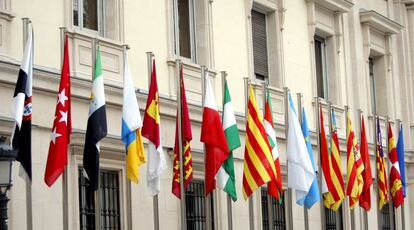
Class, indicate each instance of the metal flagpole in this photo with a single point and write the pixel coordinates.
(320, 172)
(29, 209)
(96, 193)
(365, 213)
(390, 204)
(269, 198)
(352, 211)
(399, 123)
(289, 190)
(150, 57)
(209, 196)
(229, 204)
(180, 146)
(305, 210)
(128, 182)
(246, 94)
(65, 172)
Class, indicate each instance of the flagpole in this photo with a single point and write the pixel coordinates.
(209, 196)
(95, 193)
(365, 213)
(289, 190)
(29, 209)
(399, 123)
(128, 184)
(305, 210)
(269, 198)
(180, 145)
(150, 57)
(352, 211)
(246, 94)
(391, 205)
(65, 172)
(229, 204)
(320, 172)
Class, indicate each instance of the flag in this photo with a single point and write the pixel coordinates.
(212, 135)
(62, 125)
(301, 173)
(259, 167)
(401, 161)
(332, 181)
(225, 176)
(355, 166)
(313, 195)
(381, 170)
(365, 198)
(22, 109)
(131, 127)
(396, 187)
(187, 137)
(96, 129)
(152, 131)
(274, 187)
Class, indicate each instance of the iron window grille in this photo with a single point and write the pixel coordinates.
(195, 206)
(109, 212)
(386, 220)
(278, 212)
(333, 219)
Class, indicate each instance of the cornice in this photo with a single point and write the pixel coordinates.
(7, 15)
(342, 6)
(379, 22)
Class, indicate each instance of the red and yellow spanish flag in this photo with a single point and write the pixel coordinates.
(187, 137)
(332, 181)
(259, 167)
(381, 171)
(395, 176)
(355, 166)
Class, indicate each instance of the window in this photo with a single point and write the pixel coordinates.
(109, 203)
(100, 17)
(260, 55)
(320, 62)
(195, 206)
(184, 29)
(386, 220)
(87, 14)
(372, 85)
(278, 212)
(332, 219)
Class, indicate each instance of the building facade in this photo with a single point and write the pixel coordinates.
(356, 53)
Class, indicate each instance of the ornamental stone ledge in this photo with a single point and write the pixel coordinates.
(379, 22)
(342, 6)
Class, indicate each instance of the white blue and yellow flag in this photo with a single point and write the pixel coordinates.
(131, 126)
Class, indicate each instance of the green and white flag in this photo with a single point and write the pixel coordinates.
(97, 128)
(225, 176)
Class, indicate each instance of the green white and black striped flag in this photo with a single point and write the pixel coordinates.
(97, 128)
(225, 176)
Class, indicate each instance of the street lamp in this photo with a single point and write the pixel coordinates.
(7, 156)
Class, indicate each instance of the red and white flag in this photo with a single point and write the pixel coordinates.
(212, 134)
(62, 125)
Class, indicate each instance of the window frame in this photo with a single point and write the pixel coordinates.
(100, 17)
(176, 31)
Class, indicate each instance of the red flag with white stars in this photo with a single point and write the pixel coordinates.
(62, 125)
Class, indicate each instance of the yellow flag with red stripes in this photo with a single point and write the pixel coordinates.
(259, 167)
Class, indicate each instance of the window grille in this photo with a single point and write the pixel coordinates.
(386, 220)
(278, 212)
(333, 218)
(195, 206)
(108, 202)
